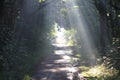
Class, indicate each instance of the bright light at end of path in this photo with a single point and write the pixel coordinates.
(60, 36)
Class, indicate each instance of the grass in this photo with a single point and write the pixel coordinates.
(99, 72)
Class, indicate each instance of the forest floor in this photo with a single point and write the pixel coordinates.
(57, 65)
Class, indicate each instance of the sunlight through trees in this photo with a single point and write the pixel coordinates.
(83, 34)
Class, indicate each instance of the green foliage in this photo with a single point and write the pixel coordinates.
(40, 1)
(64, 11)
(99, 72)
(70, 36)
(27, 77)
(23, 45)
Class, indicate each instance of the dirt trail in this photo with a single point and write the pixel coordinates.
(56, 66)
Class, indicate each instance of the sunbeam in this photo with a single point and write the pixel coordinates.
(60, 39)
(81, 26)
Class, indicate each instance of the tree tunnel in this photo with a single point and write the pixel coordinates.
(59, 39)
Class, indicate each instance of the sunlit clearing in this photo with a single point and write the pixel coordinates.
(60, 36)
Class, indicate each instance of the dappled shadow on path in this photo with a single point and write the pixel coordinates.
(55, 66)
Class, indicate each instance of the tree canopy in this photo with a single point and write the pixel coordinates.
(27, 30)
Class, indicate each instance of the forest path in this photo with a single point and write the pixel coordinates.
(57, 66)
